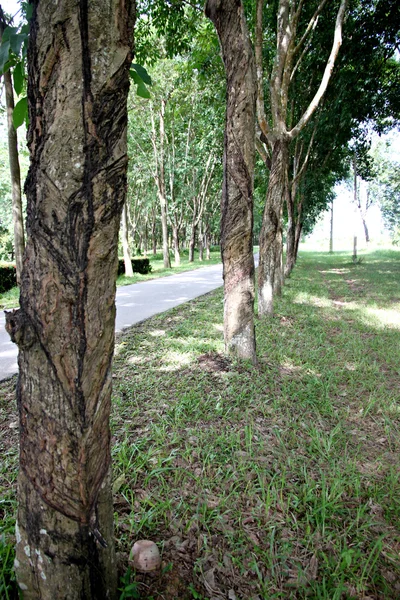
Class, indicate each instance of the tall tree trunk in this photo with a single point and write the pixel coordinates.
(331, 232)
(270, 265)
(175, 237)
(154, 233)
(145, 238)
(192, 241)
(125, 243)
(207, 240)
(366, 232)
(299, 229)
(15, 173)
(290, 237)
(201, 242)
(237, 192)
(77, 89)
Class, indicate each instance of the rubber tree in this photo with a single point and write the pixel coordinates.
(278, 132)
(78, 79)
(238, 178)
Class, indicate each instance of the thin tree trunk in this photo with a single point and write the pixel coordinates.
(331, 232)
(154, 233)
(125, 243)
(15, 173)
(237, 192)
(201, 242)
(160, 181)
(270, 265)
(290, 237)
(175, 236)
(299, 229)
(77, 90)
(192, 241)
(145, 238)
(207, 240)
(366, 232)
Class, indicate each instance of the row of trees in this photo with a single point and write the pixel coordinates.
(279, 58)
(303, 126)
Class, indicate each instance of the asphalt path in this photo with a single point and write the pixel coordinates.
(135, 303)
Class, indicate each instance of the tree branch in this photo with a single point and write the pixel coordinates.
(337, 41)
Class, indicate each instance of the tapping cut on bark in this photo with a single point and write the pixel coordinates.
(78, 81)
(237, 193)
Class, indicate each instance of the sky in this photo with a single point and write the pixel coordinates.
(10, 7)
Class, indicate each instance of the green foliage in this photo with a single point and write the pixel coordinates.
(129, 589)
(141, 78)
(8, 278)
(20, 113)
(139, 265)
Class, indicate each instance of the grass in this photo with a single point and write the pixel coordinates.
(10, 299)
(276, 481)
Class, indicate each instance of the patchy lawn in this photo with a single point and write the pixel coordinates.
(280, 481)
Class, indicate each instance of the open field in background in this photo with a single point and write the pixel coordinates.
(280, 481)
(10, 299)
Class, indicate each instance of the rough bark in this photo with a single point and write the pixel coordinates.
(15, 171)
(78, 83)
(270, 265)
(237, 194)
(125, 243)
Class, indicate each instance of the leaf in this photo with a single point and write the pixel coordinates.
(8, 32)
(136, 78)
(28, 11)
(4, 52)
(18, 77)
(20, 112)
(143, 74)
(118, 483)
(16, 41)
(142, 91)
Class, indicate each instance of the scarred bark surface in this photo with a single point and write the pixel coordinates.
(79, 59)
(237, 194)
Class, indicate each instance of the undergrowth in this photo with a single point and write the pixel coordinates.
(275, 481)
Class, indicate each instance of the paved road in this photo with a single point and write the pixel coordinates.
(135, 303)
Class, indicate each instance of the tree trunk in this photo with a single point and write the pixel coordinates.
(154, 235)
(201, 242)
(290, 237)
(125, 243)
(299, 228)
(238, 184)
(207, 240)
(78, 83)
(270, 265)
(15, 173)
(192, 241)
(145, 238)
(366, 232)
(175, 236)
(331, 232)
